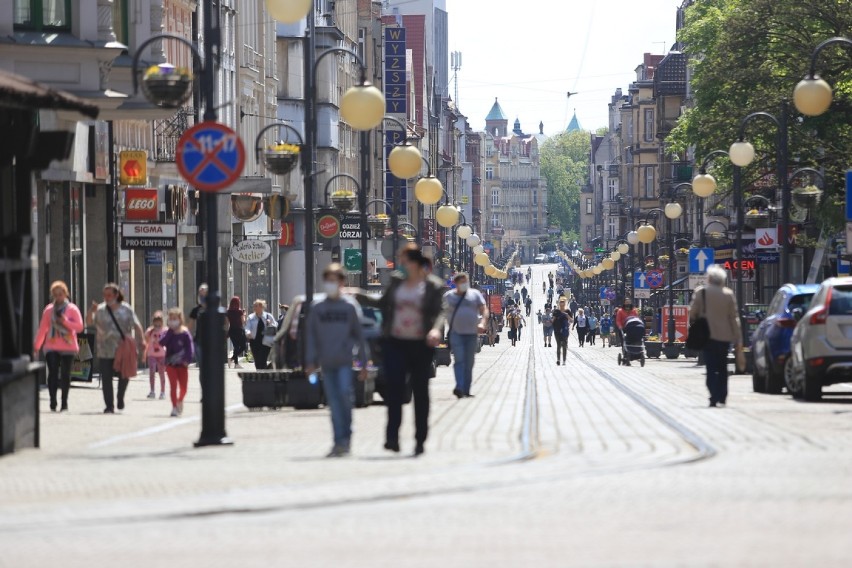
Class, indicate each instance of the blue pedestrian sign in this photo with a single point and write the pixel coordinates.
(700, 259)
(210, 156)
(640, 281)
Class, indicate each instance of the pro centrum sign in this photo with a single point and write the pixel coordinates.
(148, 236)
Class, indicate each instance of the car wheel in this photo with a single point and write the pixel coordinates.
(758, 380)
(811, 388)
(791, 380)
(774, 381)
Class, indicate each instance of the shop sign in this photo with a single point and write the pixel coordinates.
(681, 318)
(148, 236)
(141, 205)
(328, 226)
(133, 167)
(251, 252)
(350, 228)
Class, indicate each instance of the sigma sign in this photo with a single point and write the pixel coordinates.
(251, 252)
(141, 205)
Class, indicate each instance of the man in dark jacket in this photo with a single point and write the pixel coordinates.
(562, 320)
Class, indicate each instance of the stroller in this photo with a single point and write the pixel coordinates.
(633, 344)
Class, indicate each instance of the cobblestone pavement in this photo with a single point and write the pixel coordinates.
(589, 464)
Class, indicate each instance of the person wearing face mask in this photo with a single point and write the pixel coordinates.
(179, 351)
(114, 319)
(259, 325)
(57, 332)
(412, 320)
(333, 332)
(467, 313)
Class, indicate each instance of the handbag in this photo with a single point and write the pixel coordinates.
(699, 330)
(126, 355)
(269, 333)
(85, 352)
(452, 319)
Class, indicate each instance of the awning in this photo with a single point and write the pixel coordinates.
(23, 93)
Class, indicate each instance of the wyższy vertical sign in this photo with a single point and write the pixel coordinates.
(396, 81)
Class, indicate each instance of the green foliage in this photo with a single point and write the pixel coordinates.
(565, 166)
(747, 56)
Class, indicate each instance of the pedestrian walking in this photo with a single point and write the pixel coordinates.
(60, 323)
(261, 328)
(156, 355)
(562, 320)
(236, 331)
(592, 327)
(493, 329)
(627, 310)
(581, 324)
(605, 325)
(513, 318)
(194, 316)
(114, 321)
(517, 298)
(543, 286)
(412, 319)
(716, 303)
(333, 332)
(179, 348)
(546, 320)
(466, 312)
(524, 294)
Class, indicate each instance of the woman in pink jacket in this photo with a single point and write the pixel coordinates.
(61, 321)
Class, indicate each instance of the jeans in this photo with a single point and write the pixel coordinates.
(58, 375)
(412, 360)
(338, 392)
(105, 366)
(561, 347)
(464, 351)
(716, 359)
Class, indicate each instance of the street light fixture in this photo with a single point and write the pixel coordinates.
(288, 11)
(473, 240)
(673, 210)
(813, 95)
(464, 232)
(645, 234)
(633, 238)
(447, 215)
(404, 161)
(623, 248)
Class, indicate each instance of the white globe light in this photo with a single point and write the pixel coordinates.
(633, 237)
(429, 190)
(647, 234)
(615, 256)
(608, 264)
(812, 96)
(491, 270)
(482, 259)
(673, 210)
(741, 153)
(363, 107)
(405, 161)
(473, 240)
(464, 231)
(447, 216)
(704, 185)
(623, 248)
(288, 11)
(597, 269)
(478, 249)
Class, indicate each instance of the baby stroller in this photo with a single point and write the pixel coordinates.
(633, 346)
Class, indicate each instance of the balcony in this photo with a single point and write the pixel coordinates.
(167, 132)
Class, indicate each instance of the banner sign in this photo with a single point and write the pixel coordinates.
(396, 81)
(251, 252)
(350, 228)
(148, 236)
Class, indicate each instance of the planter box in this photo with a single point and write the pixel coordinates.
(167, 92)
(808, 200)
(281, 163)
(690, 353)
(264, 389)
(654, 349)
(301, 394)
(760, 221)
(672, 351)
(19, 403)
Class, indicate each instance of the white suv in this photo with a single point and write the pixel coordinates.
(821, 346)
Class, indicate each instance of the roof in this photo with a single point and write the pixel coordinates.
(574, 125)
(20, 92)
(496, 112)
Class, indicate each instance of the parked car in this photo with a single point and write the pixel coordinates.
(770, 342)
(540, 259)
(821, 345)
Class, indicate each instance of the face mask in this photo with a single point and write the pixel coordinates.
(331, 288)
(174, 324)
(464, 287)
(403, 271)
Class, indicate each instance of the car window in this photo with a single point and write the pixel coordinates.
(800, 301)
(777, 302)
(841, 301)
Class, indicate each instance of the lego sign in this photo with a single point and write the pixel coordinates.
(141, 205)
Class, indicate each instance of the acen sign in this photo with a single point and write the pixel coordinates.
(141, 205)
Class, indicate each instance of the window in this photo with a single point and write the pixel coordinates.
(495, 197)
(612, 227)
(495, 220)
(42, 14)
(649, 182)
(119, 21)
(649, 125)
(489, 172)
(589, 206)
(535, 220)
(613, 188)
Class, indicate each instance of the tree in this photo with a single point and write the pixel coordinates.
(565, 166)
(747, 56)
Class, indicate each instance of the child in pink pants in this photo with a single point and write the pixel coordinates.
(156, 355)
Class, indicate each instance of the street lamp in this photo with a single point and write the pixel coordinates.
(704, 185)
(813, 95)
(288, 11)
(646, 234)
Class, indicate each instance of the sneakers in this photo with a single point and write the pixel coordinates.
(180, 407)
(419, 449)
(64, 407)
(109, 411)
(162, 396)
(175, 412)
(152, 394)
(557, 362)
(458, 393)
(392, 446)
(338, 452)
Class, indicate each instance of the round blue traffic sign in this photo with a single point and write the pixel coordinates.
(210, 156)
(655, 278)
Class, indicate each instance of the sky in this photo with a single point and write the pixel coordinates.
(531, 53)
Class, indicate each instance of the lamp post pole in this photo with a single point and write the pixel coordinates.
(309, 157)
(738, 199)
(362, 204)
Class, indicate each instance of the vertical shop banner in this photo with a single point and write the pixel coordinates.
(393, 183)
(681, 317)
(396, 84)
